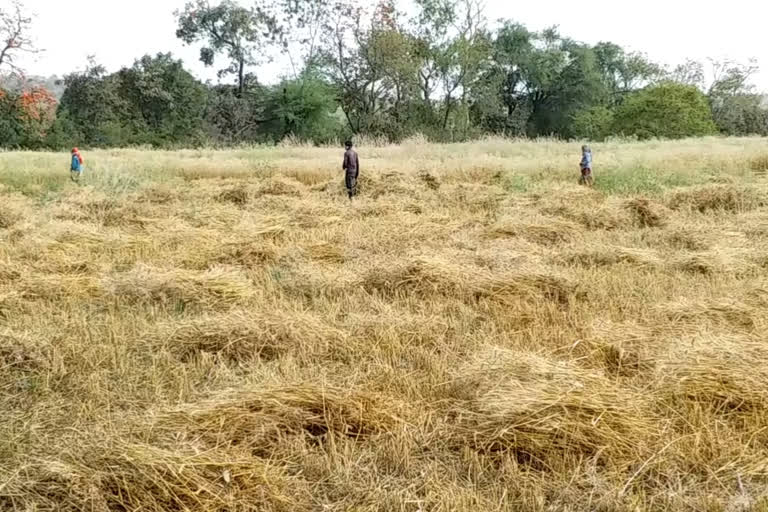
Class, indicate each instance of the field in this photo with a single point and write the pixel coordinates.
(224, 331)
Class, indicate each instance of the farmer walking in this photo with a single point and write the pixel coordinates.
(76, 167)
(351, 168)
(586, 166)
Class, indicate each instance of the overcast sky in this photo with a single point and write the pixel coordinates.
(669, 31)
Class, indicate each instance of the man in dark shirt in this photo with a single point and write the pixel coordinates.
(351, 168)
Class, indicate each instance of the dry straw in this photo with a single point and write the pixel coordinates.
(224, 331)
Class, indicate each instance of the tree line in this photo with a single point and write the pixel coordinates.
(439, 68)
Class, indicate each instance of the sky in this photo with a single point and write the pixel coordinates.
(116, 32)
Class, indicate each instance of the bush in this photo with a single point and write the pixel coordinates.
(667, 110)
(592, 124)
(741, 114)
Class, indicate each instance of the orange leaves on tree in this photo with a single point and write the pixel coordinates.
(37, 109)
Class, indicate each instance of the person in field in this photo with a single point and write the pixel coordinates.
(351, 168)
(76, 168)
(586, 166)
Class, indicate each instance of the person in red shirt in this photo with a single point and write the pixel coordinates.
(76, 165)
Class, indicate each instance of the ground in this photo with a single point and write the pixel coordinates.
(224, 331)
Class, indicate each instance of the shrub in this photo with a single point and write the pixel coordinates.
(668, 110)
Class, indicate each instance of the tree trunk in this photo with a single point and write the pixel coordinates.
(448, 102)
(241, 78)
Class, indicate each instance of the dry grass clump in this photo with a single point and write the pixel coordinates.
(280, 187)
(226, 331)
(683, 239)
(326, 252)
(645, 214)
(737, 314)
(237, 195)
(247, 254)
(388, 183)
(429, 180)
(759, 163)
(216, 288)
(715, 262)
(708, 198)
(253, 420)
(608, 256)
(154, 479)
(8, 217)
(721, 375)
(622, 361)
(541, 412)
(243, 336)
(432, 276)
(19, 355)
(589, 210)
(135, 476)
(550, 232)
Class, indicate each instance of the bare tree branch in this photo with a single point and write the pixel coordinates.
(15, 38)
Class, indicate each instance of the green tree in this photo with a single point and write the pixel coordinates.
(11, 128)
(507, 80)
(668, 110)
(623, 72)
(736, 109)
(89, 105)
(233, 119)
(304, 108)
(455, 48)
(241, 34)
(741, 114)
(365, 58)
(166, 103)
(575, 87)
(543, 80)
(593, 123)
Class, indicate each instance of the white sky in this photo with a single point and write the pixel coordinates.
(669, 31)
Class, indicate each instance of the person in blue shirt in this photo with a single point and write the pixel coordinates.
(586, 166)
(76, 168)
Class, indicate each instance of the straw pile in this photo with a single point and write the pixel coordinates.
(472, 332)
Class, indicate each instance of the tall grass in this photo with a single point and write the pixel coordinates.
(223, 330)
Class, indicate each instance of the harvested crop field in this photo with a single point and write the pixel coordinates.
(224, 331)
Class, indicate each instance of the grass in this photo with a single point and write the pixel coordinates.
(223, 330)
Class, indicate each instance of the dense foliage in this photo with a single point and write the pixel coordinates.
(442, 71)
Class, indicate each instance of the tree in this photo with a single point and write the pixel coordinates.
(736, 109)
(90, 108)
(731, 78)
(669, 110)
(241, 34)
(302, 108)
(458, 56)
(26, 117)
(153, 102)
(165, 102)
(623, 72)
(741, 114)
(11, 129)
(233, 119)
(15, 26)
(578, 86)
(592, 124)
(37, 111)
(301, 25)
(690, 72)
(356, 60)
(512, 53)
